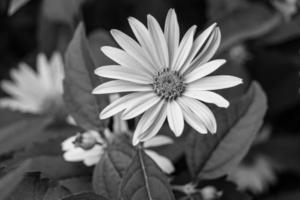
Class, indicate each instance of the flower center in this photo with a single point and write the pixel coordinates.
(168, 84)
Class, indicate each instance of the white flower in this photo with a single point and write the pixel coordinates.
(87, 147)
(35, 92)
(255, 177)
(168, 79)
(163, 162)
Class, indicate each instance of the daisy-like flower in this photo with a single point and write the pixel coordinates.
(167, 77)
(87, 147)
(35, 92)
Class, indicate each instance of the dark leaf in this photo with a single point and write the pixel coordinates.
(33, 187)
(79, 82)
(245, 23)
(85, 196)
(12, 179)
(109, 171)
(211, 156)
(78, 185)
(17, 135)
(144, 180)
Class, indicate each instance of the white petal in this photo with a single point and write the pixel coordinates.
(172, 33)
(192, 119)
(175, 118)
(90, 161)
(209, 49)
(68, 143)
(208, 97)
(203, 70)
(132, 48)
(153, 128)
(214, 83)
(122, 103)
(158, 40)
(74, 155)
(149, 117)
(143, 36)
(202, 112)
(140, 106)
(123, 58)
(158, 140)
(184, 49)
(44, 70)
(121, 86)
(123, 73)
(198, 43)
(163, 162)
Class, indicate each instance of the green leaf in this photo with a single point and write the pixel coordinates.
(213, 155)
(109, 171)
(79, 82)
(12, 179)
(78, 184)
(17, 135)
(85, 196)
(34, 187)
(248, 22)
(15, 5)
(144, 180)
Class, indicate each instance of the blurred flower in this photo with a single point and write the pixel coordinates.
(36, 92)
(207, 192)
(287, 7)
(255, 177)
(87, 147)
(239, 54)
(167, 77)
(163, 162)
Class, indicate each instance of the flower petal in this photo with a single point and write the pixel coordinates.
(198, 43)
(154, 127)
(158, 140)
(184, 49)
(201, 111)
(175, 118)
(123, 73)
(140, 107)
(122, 103)
(172, 33)
(149, 117)
(163, 162)
(201, 71)
(143, 36)
(209, 49)
(214, 83)
(158, 40)
(68, 143)
(208, 97)
(123, 58)
(117, 86)
(132, 48)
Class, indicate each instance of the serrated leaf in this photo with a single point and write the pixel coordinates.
(109, 172)
(12, 179)
(85, 196)
(211, 156)
(248, 22)
(17, 135)
(79, 82)
(144, 180)
(33, 187)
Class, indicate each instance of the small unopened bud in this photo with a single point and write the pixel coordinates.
(210, 193)
(85, 140)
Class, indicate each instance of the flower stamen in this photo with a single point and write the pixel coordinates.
(168, 84)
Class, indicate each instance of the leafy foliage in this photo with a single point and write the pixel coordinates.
(143, 180)
(212, 156)
(110, 170)
(83, 106)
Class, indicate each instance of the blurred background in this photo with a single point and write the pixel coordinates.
(260, 40)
